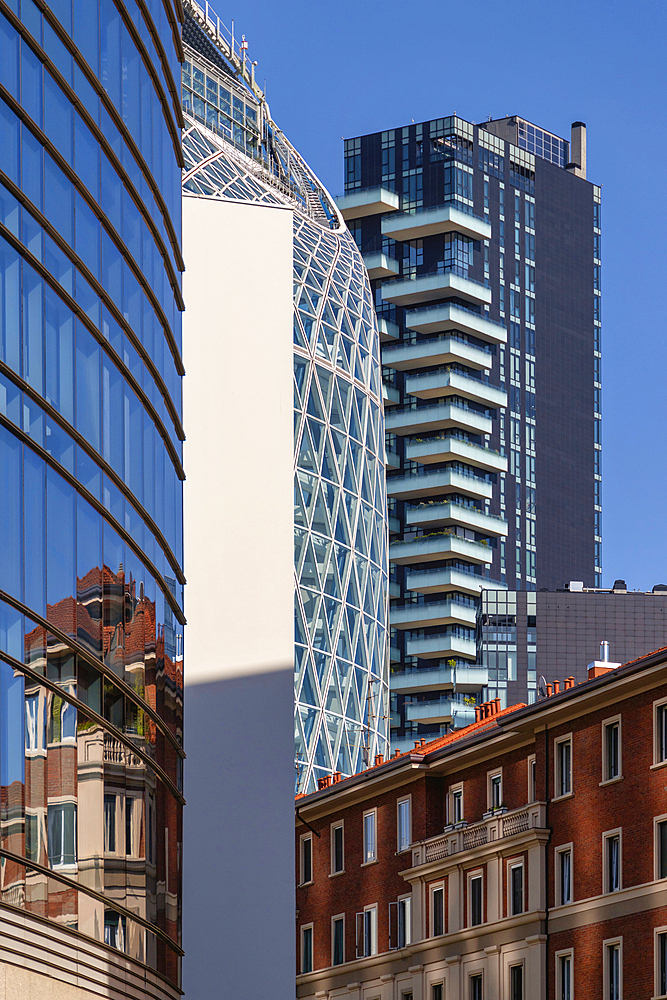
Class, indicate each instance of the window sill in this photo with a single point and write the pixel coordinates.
(561, 798)
(403, 850)
(365, 864)
(611, 781)
(304, 885)
(336, 874)
(656, 767)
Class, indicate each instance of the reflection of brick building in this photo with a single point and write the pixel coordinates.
(522, 856)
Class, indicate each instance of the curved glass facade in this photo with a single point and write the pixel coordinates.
(233, 150)
(91, 670)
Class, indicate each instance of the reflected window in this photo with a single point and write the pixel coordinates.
(35, 724)
(110, 824)
(62, 834)
(115, 930)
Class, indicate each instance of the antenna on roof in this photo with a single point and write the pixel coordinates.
(541, 688)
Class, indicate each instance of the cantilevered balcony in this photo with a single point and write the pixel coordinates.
(435, 482)
(447, 316)
(442, 579)
(439, 646)
(442, 416)
(417, 680)
(440, 710)
(434, 385)
(436, 351)
(368, 201)
(431, 221)
(388, 331)
(447, 514)
(449, 449)
(379, 265)
(428, 287)
(438, 546)
(413, 615)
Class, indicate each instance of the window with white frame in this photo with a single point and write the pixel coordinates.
(338, 939)
(660, 850)
(456, 803)
(370, 847)
(437, 909)
(564, 974)
(400, 923)
(612, 973)
(404, 823)
(516, 982)
(61, 820)
(611, 846)
(661, 961)
(35, 724)
(611, 749)
(367, 932)
(532, 779)
(475, 986)
(515, 888)
(495, 789)
(307, 948)
(660, 732)
(563, 766)
(563, 875)
(475, 898)
(306, 858)
(337, 848)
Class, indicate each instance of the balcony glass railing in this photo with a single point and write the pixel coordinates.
(453, 370)
(422, 601)
(445, 438)
(453, 503)
(460, 402)
(440, 268)
(412, 338)
(423, 474)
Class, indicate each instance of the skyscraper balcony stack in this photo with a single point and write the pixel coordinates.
(91, 579)
(483, 247)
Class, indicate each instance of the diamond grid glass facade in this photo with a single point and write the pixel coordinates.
(340, 526)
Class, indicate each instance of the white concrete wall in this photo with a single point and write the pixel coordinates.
(239, 903)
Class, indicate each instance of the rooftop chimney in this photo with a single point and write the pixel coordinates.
(604, 651)
(577, 162)
(603, 665)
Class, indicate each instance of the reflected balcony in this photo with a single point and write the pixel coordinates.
(449, 449)
(436, 351)
(417, 680)
(439, 646)
(431, 221)
(446, 514)
(447, 316)
(441, 579)
(368, 201)
(442, 416)
(428, 287)
(433, 483)
(441, 545)
(411, 616)
(392, 459)
(434, 385)
(390, 395)
(388, 331)
(379, 265)
(440, 710)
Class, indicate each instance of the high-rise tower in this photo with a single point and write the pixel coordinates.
(91, 581)
(483, 244)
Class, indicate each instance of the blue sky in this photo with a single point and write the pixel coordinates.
(347, 68)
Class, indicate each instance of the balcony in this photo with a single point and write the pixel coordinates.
(447, 316)
(411, 616)
(450, 449)
(434, 385)
(441, 710)
(431, 484)
(437, 351)
(443, 416)
(390, 395)
(442, 545)
(379, 265)
(430, 221)
(444, 578)
(440, 645)
(388, 331)
(368, 201)
(427, 287)
(417, 680)
(455, 514)
(394, 653)
(497, 827)
(392, 459)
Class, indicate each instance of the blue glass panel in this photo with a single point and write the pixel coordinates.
(9, 58)
(60, 538)
(11, 496)
(9, 306)
(12, 726)
(87, 386)
(35, 531)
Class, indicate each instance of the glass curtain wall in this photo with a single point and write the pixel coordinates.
(91, 584)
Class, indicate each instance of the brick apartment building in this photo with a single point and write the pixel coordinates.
(524, 856)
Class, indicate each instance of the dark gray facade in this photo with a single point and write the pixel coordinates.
(556, 634)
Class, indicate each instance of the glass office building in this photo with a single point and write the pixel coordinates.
(91, 584)
(233, 150)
